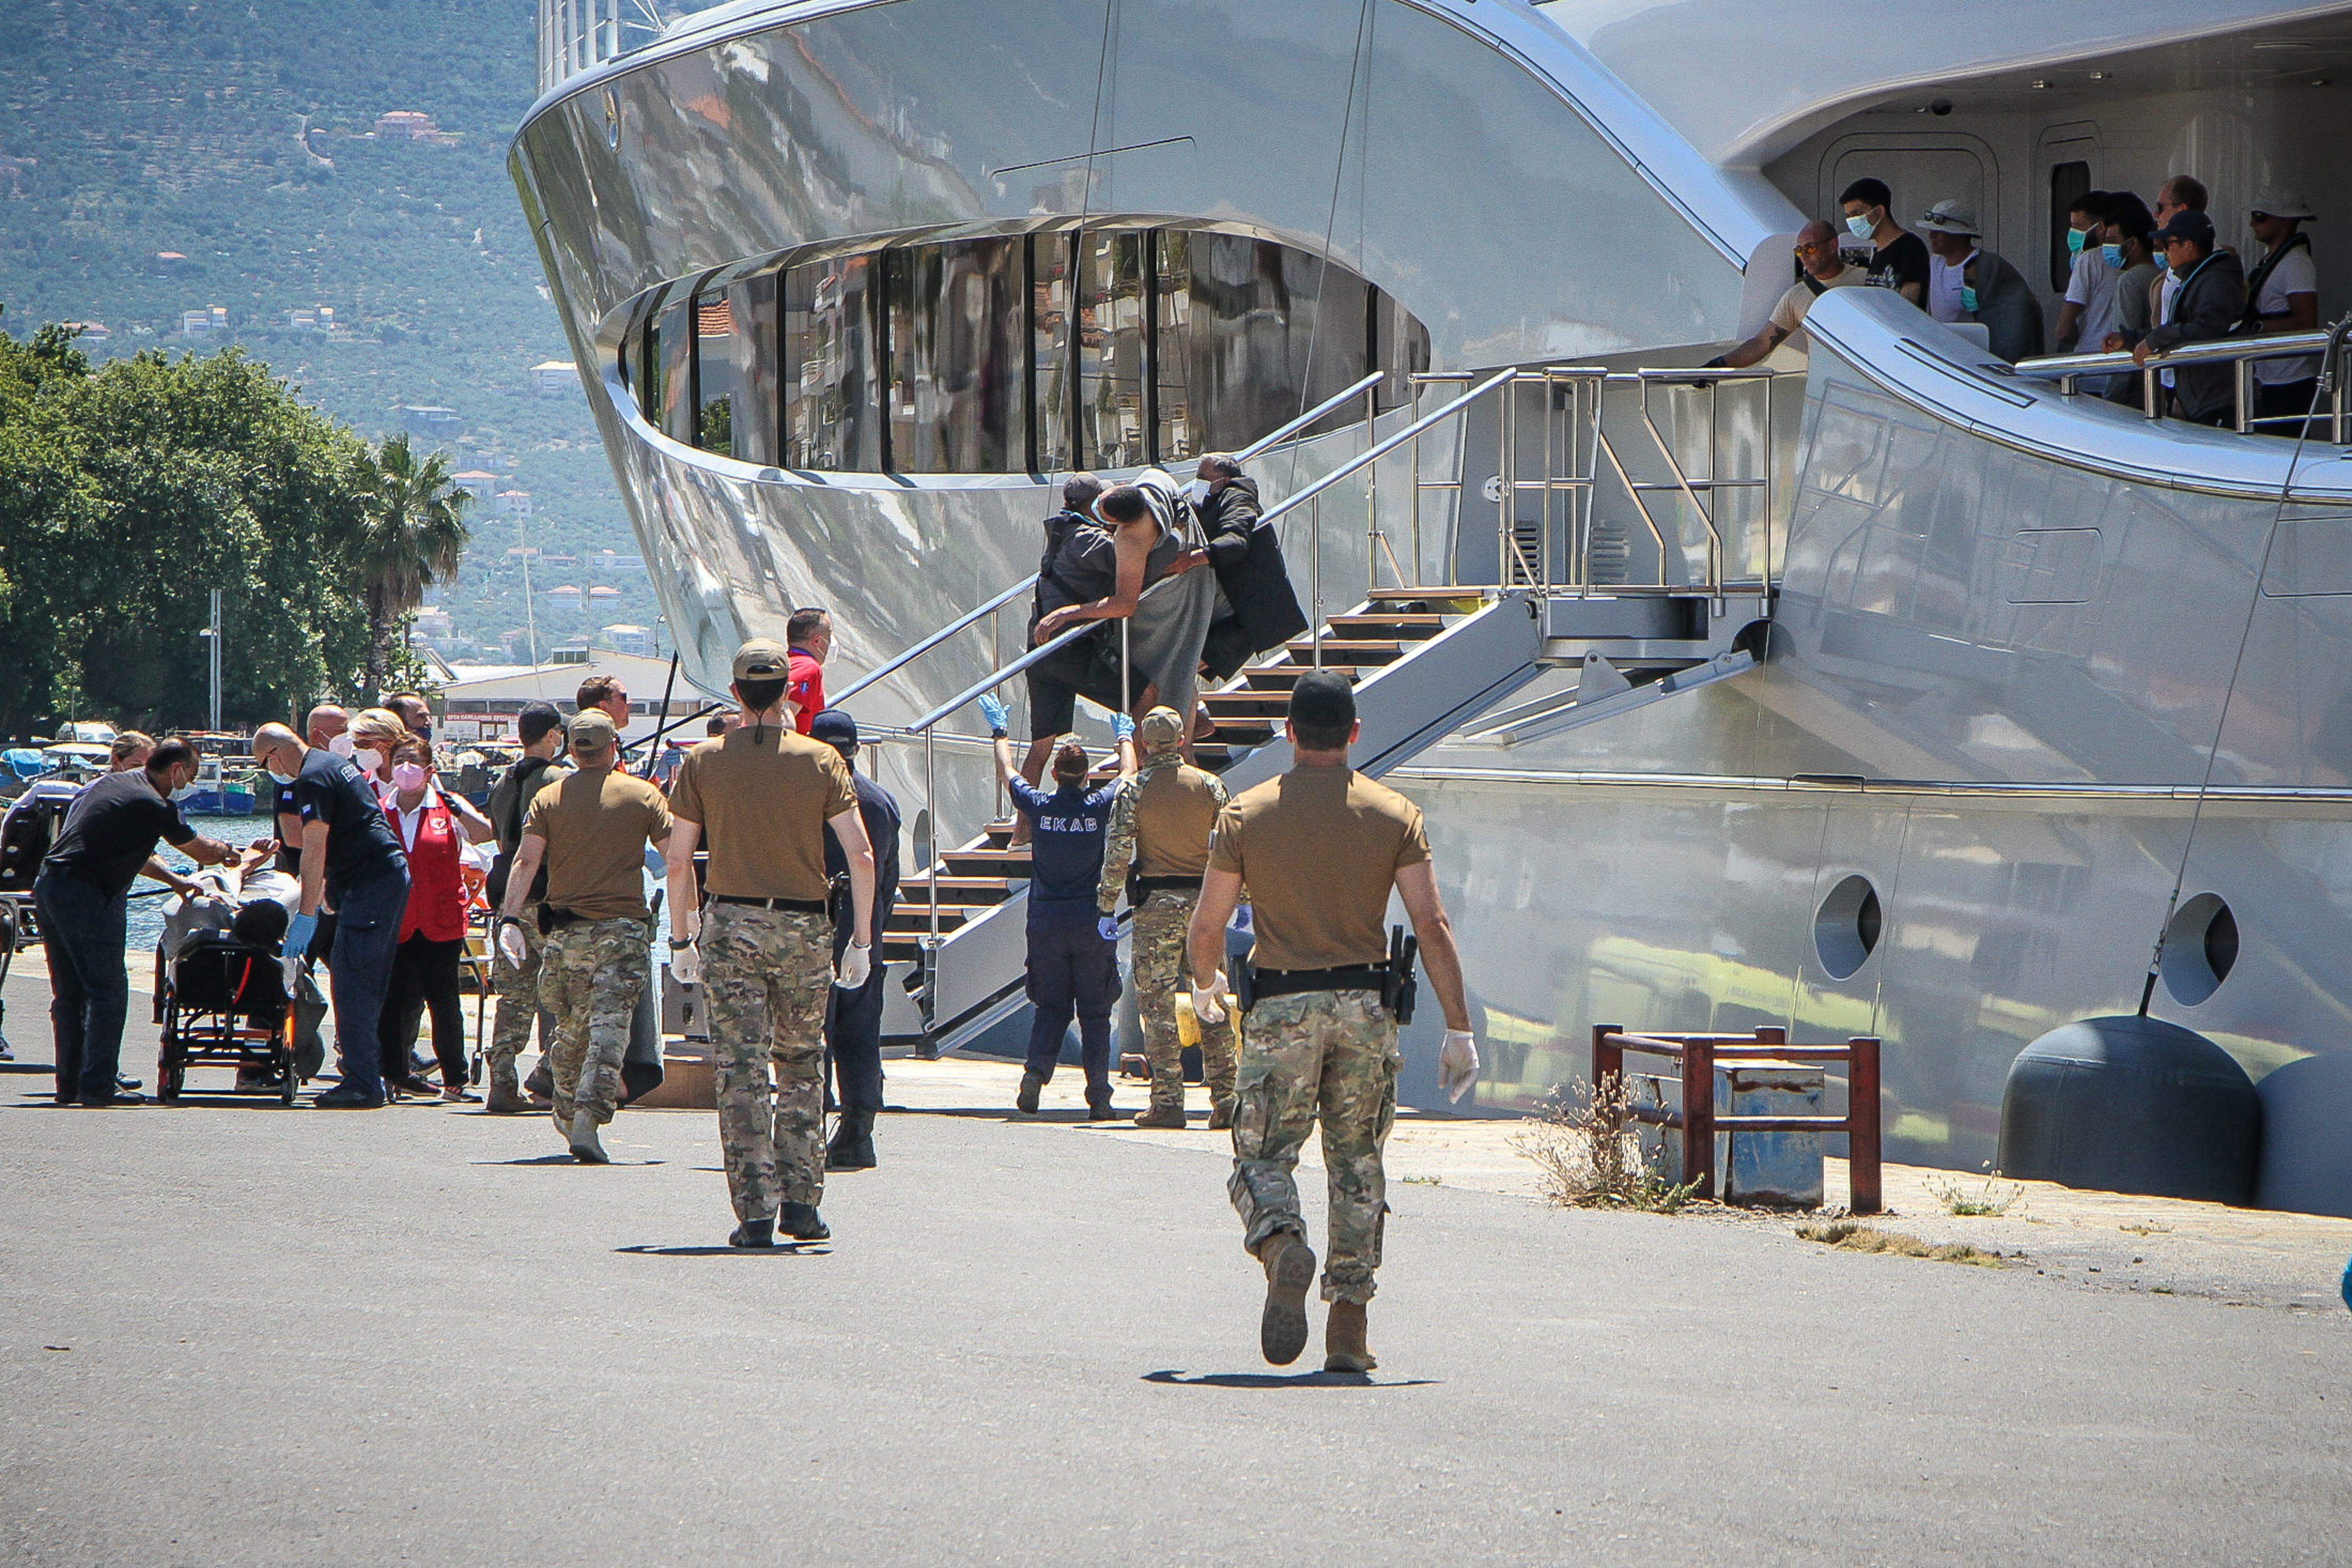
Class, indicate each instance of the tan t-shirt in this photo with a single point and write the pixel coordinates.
(762, 798)
(1318, 850)
(1175, 810)
(597, 825)
(1789, 315)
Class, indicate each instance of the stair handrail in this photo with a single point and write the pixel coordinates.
(972, 617)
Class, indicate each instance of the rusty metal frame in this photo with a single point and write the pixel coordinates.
(1696, 1056)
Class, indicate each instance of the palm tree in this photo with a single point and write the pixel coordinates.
(415, 533)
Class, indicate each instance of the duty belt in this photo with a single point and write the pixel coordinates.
(802, 906)
(1393, 980)
(1142, 887)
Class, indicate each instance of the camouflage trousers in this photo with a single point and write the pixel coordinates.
(764, 977)
(591, 974)
(1327, 1055)
(1161, 977)
(518, 995)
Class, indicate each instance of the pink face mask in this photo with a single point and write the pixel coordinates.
(408, 775)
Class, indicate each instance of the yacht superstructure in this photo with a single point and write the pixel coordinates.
(1890, 690)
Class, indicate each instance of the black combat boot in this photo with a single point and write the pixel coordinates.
(753, 1233)
(803, 1223)
(852, 1148)
(1026, 1102)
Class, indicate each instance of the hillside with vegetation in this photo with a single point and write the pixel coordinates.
(158, 157)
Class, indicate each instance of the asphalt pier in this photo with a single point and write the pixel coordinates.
(238, 1334)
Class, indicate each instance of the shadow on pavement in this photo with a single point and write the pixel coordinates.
(567, 1160)
(1285, 1380)
(792, 1249)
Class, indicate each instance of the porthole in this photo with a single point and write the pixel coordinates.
(1845, 931)
(2201, 947)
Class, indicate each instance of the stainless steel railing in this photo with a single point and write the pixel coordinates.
(972, 618)
(2242, 353)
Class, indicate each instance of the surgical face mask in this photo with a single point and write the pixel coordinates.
(1860, 226)
(341, 744)
(2075, 238)
(408, 775)
(1196, 491)
(182, 791)
(1967, 298)
(281, 778)
(2113, 254)
(368, 760)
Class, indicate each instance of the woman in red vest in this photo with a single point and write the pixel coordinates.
(435, 828)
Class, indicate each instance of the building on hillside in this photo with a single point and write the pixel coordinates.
(87, 332)
(433, 423)
(210, 321)
(626, 638)
(432, 622)
(311, 318)
(553, 377)
(563, 596)
(479, 702)
(407, 124)
(169, 260)
(479, 483)
(601, 597)
(609, 564)
(511, 504)
(557, 558)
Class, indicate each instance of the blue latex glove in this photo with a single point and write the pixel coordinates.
(1108, 927)
(1121, 725)
(993, 709)
(298, 933)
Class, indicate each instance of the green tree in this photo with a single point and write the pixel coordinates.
(415, 533)
(127, 494)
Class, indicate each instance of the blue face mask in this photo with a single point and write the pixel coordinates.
(1859, 226)
(1968, 299)
(2113, 254)
(2075, 238)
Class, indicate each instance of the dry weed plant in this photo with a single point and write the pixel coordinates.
(1994, 1198)
(1588, 1147)
(1853, 1237)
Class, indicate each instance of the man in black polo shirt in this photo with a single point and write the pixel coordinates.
(351, 861)
(107, 840)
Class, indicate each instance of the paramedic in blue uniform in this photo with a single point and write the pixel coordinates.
(1073, 959)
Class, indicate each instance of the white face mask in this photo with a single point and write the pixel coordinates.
(281, 778)
(1860, 226)
(182, 791)
(368, 759)
(341, 744)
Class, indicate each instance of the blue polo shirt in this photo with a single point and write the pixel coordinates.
(1066, 849)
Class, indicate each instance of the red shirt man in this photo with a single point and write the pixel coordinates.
(809, 636)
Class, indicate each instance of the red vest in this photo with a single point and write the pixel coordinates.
(436, 893)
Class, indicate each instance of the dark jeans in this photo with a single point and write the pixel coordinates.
(1072, 969)
(425, 975)
(853, 1026)
(82, 928)
(367, 930)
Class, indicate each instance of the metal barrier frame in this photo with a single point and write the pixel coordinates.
(1699, 1122)
(2241, 354)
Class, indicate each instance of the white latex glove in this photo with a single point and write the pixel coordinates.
(512, 945)
(686, 964)
(856, 963)
(1208, 1001)
(1457, 1064)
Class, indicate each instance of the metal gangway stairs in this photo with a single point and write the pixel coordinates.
(1622, 545)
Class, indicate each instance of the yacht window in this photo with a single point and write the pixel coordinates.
(2069, 184)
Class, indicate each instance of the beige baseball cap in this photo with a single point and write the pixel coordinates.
(762, 659)
(590, 731)
(1161, 729)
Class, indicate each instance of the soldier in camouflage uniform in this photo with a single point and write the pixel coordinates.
(1156, 849)
(758, 935)
(540, 728)
(1319, 851)
(590, 832)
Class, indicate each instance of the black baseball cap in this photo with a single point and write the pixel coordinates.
(1323, 699)
(836, 729)
(2187, 223)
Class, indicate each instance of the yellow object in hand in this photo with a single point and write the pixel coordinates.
(1188, 1022)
